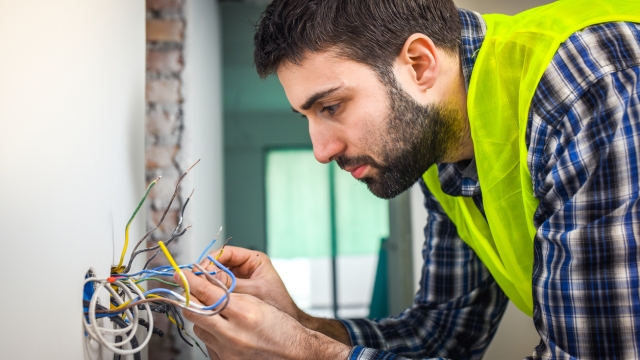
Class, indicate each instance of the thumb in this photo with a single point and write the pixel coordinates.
(178, 279)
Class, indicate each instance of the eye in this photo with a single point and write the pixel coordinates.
(331, 110)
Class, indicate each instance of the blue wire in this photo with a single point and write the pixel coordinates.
(204, 252)
(217, 303)
(223, 268)
(167, 271)
(233, 283)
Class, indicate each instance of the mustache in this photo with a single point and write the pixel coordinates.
(344, 161)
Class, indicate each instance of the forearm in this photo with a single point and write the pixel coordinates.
(323, 346)
(329, 327)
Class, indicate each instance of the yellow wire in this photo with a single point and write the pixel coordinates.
(178, 270)
(128, 301)
(140, 287)
(121, 305)
(220, 253)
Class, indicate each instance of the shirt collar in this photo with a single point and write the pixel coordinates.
(461, 179)
(473, 31)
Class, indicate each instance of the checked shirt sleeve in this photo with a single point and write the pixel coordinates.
(455, 313)
(585, 163)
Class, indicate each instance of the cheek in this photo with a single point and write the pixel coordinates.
(376, 113)
(374, 132)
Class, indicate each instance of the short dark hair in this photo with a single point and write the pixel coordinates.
(372, 32)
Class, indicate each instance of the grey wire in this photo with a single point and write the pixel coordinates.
(174, 235)
(175, 193)
(217, 283)
(155, 247)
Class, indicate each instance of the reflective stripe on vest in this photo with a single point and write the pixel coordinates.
(512, 59)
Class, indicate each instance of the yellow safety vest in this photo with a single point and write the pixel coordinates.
(513, 57)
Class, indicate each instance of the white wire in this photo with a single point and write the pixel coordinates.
(105, 342)
(118, 331)
(90, 328)
(97, 333)
(134, 321)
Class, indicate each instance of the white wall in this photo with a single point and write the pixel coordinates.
(203, 118)
(71, 161)
(203, 122)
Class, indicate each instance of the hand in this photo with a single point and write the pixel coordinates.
(252, 329)
(256, 276)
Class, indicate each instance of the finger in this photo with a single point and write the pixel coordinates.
(206, 337)
(243, 286)
(212, 323)
(201, 288)
(221, 276)
(209, 340)
(212, 353)
(243, 261)
(184, 294)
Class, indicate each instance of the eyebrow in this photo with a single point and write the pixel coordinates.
(315, 97)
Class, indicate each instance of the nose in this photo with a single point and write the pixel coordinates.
(327, 144)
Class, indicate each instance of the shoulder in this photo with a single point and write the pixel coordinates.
(592, 72)
(581, 61)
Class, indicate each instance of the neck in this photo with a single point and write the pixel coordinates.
(456, 99)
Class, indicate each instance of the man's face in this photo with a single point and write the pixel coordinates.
(378, 133)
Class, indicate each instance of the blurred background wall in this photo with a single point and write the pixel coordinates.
(183, 124)
(85, 124)
(71, 161)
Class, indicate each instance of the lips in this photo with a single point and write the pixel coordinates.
(357, 171)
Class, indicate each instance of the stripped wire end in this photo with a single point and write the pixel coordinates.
(222, 249)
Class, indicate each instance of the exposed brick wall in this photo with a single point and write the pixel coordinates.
(164, 148)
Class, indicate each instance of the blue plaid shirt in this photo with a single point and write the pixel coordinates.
(584, 158)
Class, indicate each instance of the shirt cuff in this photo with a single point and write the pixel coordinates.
(362, 353)
(364, 332)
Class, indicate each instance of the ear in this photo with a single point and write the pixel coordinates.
(418, 62)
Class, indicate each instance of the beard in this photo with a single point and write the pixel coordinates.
(416, 137)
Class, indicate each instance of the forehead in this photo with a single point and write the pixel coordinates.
(321, 71)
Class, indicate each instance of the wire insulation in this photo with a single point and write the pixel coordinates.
(128, 300)
(126, 229)
(178, 270)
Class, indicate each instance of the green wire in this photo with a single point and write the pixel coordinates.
(198, 345)
(126, 230)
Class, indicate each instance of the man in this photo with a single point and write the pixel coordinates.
(524, 134)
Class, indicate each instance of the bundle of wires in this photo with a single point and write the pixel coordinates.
(129, 301)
